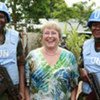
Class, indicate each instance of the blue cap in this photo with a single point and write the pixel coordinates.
(94, 17)
(4, 9)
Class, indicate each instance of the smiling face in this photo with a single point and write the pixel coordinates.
(51, 35)
(50, 38)
(95, 28)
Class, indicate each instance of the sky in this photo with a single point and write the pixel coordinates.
(70, 2)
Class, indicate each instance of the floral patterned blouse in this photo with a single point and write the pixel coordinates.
(51, 82)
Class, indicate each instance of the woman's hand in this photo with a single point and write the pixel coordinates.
(84, 75)
(21, 96)
(74, 93)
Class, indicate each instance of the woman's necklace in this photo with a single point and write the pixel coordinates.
(46, 52)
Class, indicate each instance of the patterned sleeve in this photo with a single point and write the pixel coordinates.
(28, 69)
(74, 74)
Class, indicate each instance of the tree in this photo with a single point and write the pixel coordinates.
(82, 12)
(15, 10)
(79, 11)
(32, 10)
(36, 9)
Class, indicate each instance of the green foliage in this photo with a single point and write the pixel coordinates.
(59, 10)
(2, 0)
(74, 43)
(31, 10)
(82, 11)
(36, 9)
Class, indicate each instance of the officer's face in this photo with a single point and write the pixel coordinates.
(3, 21)
(95, 28)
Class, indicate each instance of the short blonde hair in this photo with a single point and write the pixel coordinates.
(52, 25)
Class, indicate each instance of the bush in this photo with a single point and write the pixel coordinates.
(74, 43)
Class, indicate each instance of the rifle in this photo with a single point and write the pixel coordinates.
(6, 84)
(95, 83)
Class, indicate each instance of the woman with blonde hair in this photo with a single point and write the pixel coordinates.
(51, 71)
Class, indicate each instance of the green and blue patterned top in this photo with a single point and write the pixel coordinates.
(51, 82)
